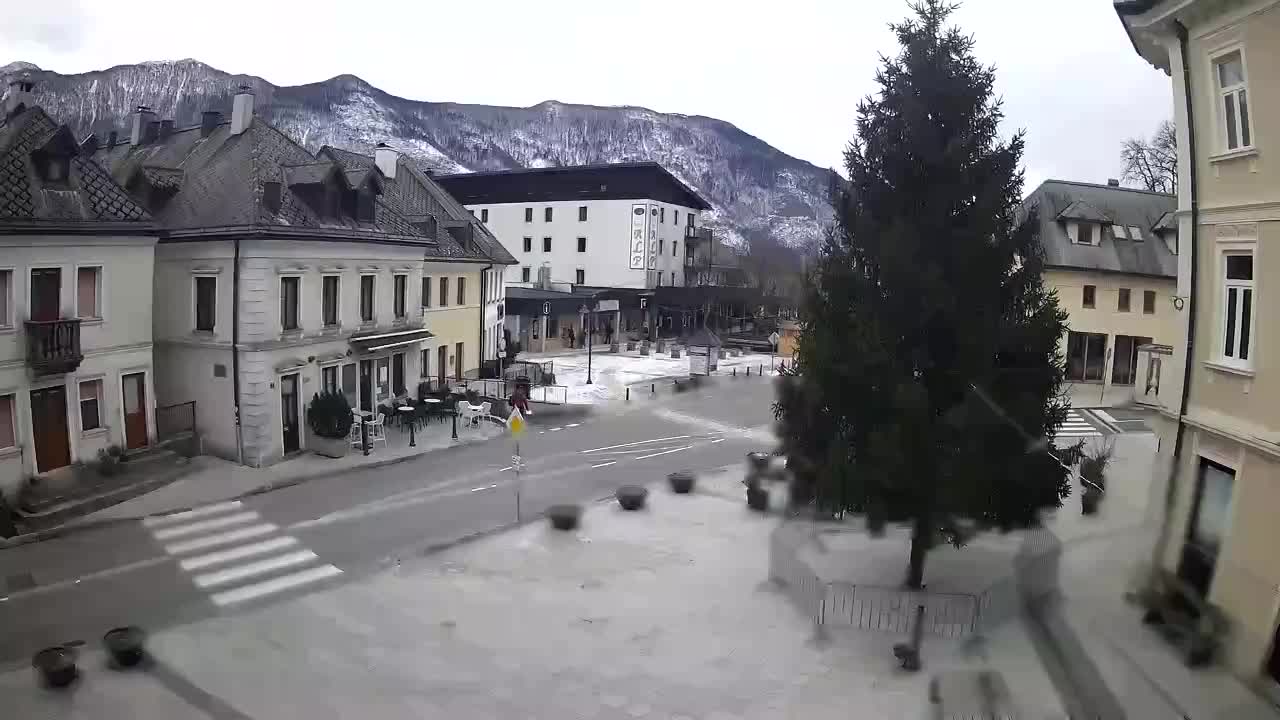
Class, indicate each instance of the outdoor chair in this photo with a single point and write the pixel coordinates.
(377, 430)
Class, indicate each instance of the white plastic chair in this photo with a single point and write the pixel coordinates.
(377, 431)
(463, 408)
(484, 414)
(354, 434)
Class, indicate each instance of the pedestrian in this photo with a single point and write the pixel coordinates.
(608, 333)
(520, 401)
(571, 338)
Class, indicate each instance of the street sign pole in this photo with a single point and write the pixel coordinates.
(590, 325)
(516, 423)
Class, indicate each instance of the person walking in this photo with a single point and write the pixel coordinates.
(608, 334)
(571, 339)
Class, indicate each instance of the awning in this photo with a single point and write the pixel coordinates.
(382, 340)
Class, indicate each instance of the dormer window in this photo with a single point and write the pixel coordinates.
(364, 205)
(57, 171)
(1085, 233)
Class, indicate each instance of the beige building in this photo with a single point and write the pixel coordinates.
(1220, 429)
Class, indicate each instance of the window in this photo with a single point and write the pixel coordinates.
(528, 214)
(662, 214)
(289, 303)
(400, 284)
(675, 248)
(6, 298)
(366, 298)
(546, 244)
(271, 196)
(459, 358)
(1124, 359)
(1210, 516)
(580, 276)
(206, 303)
(1234, 105)
(1135, 233)
(675, 218)
(329, 300)
(397, 373)
(424, 364)
(484, 215)
(1122, 300)
(444, 292)
(1238, 306)
(329, 378)
(673, 278)
(528, 244)
(1086, 356)
(90, 405)
(89, 292)
(582, 213)
(8, 429)
(582, 244)
(462, 291)
(524, 274)
(1084, 233)
(661, 247)
(1089, 295)
(1148, 302)
(546, 214)
(689, 220)
(426, 292)
(382, 378)
(349, 383)
(1119, 233)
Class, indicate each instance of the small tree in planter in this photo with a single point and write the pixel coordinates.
(330, 419)
(1093, 469)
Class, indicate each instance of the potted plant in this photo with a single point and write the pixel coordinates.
(564, 517)
(681, 482)
(56, 665)
(757, 496)
(675, 352)
(329, 416)
(1093, 469)
(125, 645)
(108, 464)
(631, 497)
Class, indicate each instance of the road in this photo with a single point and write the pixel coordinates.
(238, 555)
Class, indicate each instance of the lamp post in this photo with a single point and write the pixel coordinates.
(590, 326)
(455, 418)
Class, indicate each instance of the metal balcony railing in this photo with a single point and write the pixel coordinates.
(53, 346)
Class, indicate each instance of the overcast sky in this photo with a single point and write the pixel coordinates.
(791, 76)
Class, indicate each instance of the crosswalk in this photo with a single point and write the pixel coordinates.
(234, 556)
(1076, 427)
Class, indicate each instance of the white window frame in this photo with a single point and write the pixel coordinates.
(424, 362)
(395, 311)
(13, 423)
(7, 317)
(337, 301)
(373, 300)
(195, 299)
(1225, 250)
(100, 399)
(298, 310)
(1221, 93)
(1119, 232)
(100, 296)
(526, 274)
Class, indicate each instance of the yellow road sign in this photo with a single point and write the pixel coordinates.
(516, 422)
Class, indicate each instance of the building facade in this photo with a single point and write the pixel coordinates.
(1220, 429)
(76, 253)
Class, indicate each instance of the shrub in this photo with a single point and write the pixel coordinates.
(1094, 463)
(330, 415)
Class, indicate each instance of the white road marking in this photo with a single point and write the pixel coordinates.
(664, 452)
(244, 551)
(191, 514)
(572, 425)
(199, 527)
(556, 429)
(225, 538)
(506, 468)
(1104, 415)
(713, 442)
(630, 444)
(486, 487)
(275, 585)
(240, 572)
(611, 462)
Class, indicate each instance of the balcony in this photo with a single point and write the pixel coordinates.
(697, 233)
(53, 346)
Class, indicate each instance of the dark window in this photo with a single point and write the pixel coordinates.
(528, 214)
(289, 302)
(401, 285)
(444, 292)
(1086, 356)
(546, 244)
(484, 215)
(1240, 267)
(397, 373)
(1149, 301)
(661, 247)
(271, 196)
(1124, 359)
(673, 278)
(580, 276)
(689, 220)
(366, 298)
(1089, 295)
(546, 214)
(1122, 300)
(206, 303)
(528, 244)
(329, 300)
(524, 274)
(582, 244)
(675, 218)
(57, 170)
(90, 402)
(675, 248)
(427, 227)
(426, 292)
(1207, 529)
(364, 206)
(1084, 234)
(582, 213)
(329, 378)
(662, 214)
(462, 291)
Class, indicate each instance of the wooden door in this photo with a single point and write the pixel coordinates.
(46, 294)
(289, 413)
(366, 385)
(442, 359)
(49, 428)
(133, 387)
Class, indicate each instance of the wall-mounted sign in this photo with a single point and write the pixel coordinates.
(546, 308)
(652, 255)
(639, 231)
(606, 305)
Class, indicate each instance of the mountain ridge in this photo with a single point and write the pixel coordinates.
(757, 191)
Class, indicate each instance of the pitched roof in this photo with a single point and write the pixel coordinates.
(89, 197)
(613, 181)
(1107, 205)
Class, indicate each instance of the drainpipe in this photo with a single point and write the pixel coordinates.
(235, 346)
(484, 303)
(1170, 493)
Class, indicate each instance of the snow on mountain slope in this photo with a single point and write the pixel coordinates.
(756, 190)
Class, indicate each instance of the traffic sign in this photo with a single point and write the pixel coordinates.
(516, 422)
(546, 308)
(774, 337)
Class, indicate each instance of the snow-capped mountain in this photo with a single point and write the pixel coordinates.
(755, 189)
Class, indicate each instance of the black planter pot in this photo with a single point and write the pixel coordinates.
(56, 665)
(681, 482)
(631, 497)
(758, 462)
(1089, 503)
(757, 499)
(125, 645)
(564, 517)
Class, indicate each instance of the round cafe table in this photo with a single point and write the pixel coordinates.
(406, 413)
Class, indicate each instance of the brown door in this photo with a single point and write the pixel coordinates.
(46, 291)
(49, 428)
(289, 413)
(134, 387)
(442, 359)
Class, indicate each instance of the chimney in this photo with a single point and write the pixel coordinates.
(1112, 182)
(209, 121)
(142, 119)
(386, 158)
(20, 90)
(152, 132)
(112, 137)
(166, 128)
(242, 110)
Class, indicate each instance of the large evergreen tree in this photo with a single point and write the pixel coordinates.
(929, 366)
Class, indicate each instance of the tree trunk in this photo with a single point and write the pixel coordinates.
(921, 541)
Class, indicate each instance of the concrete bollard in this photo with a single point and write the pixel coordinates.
(628, 393)
(748, 371)
(735, 372)
(653, 388)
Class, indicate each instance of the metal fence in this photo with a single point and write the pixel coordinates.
(175, 420)
(498, 388)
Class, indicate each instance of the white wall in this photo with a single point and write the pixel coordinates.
(607, 229)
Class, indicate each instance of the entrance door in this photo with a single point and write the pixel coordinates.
(1273, 662)
(442, 359)
(1124, 363)
(289, 412)
(46, 292)
(134, 388)
(366, 385)
(49, 428)
(1086, 356)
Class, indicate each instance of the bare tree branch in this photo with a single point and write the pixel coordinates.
(1153, 164)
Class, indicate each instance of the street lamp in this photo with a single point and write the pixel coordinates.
(590, 325)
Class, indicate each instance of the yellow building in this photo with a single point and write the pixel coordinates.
(1220, 429)
(1111, 255)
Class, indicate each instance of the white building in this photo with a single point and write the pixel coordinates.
(75, 302)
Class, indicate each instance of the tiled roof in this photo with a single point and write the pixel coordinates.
(1107, 205)
(90, 196)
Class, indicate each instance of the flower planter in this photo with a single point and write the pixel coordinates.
(56, 665)
(564, 517)
(757, 499)
(681, 482)
(722, 354)
(644, 348)
(329, 447)
(613, 347)
(758, 462)
(125, 645)
(631, 344)
(631, 497)
(662, 346)
(675, 353)
(1089, 502)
